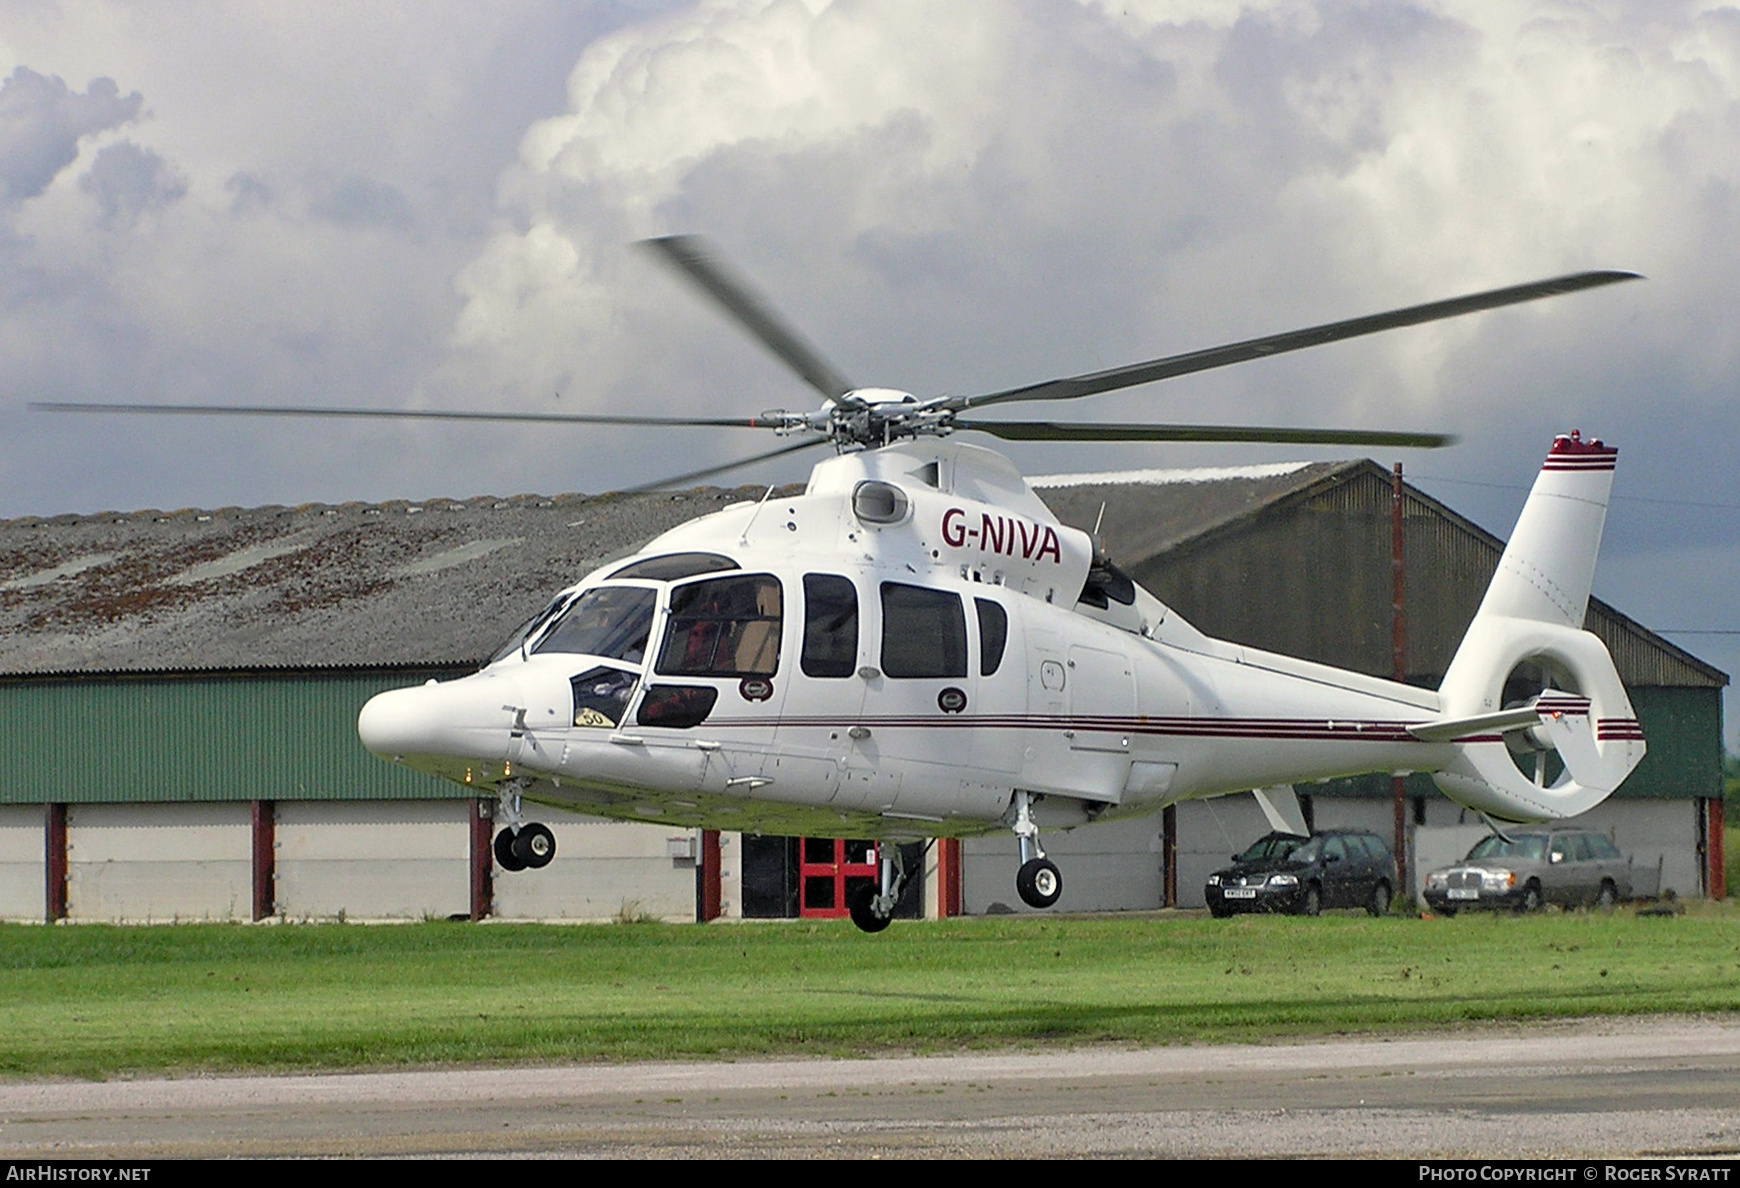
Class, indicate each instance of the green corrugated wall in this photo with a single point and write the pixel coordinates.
(200, 739)
(294, 738)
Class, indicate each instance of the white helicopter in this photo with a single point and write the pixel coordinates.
(915, 647)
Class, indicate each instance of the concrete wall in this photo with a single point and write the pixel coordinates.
(156, 862)
(373, 859)
(604, 870)
(22, 877)
(1109, 867)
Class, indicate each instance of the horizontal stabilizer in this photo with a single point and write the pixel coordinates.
(1501, 722)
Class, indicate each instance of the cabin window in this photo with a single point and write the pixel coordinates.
(830, 626)
(678, 707)
(724, 627)
(993, 635)
(612, 621)
(924, 632)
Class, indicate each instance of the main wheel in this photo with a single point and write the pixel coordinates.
(535, 845)
(858, 903)
(1038, 882)
(1380, 899)
(504, 851)
(1312, 904)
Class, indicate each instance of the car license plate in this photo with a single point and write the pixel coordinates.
(1239, 892)
(1462, 893)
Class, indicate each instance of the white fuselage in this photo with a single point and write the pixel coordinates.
(893, 653)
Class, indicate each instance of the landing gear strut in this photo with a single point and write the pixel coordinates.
(1038, 882)
(872, 908)
(521, 845)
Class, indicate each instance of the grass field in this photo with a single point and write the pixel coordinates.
(93, 1001)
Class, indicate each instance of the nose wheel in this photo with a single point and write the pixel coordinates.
(522, 844)
(532, 848)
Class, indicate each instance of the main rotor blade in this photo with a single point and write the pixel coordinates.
(1293, 340)
(710, 471)
(707, 269)
(266, 410)
(1051, 431)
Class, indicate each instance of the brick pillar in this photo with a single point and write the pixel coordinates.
(708, 894)
(482, 859)
(263, 820)
(948, 877)
(54, 862)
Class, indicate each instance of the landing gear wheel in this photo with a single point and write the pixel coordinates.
(1038, 882)
(1380, 900)
(1312, 904)
(861, 904)
(504, 851)
(535, 846)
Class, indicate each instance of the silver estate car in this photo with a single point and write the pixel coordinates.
(1530, 868)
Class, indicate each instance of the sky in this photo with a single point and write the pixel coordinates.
(432, 204)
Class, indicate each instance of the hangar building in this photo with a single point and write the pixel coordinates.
(178, 694)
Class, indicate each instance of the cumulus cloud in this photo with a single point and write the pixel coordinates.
(42, 121)
(977, 195)
(127, 181)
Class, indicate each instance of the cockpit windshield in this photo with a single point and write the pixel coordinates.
(527, 629)
(611, 621)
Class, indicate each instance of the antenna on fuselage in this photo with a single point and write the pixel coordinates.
(761, 503)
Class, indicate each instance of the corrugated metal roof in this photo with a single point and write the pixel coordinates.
(356, 586)
(408, 586)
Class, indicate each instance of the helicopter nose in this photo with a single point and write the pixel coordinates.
(470, 718)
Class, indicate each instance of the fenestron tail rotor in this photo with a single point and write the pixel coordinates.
(857, 417)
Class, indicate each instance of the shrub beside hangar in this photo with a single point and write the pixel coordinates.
(178, 692)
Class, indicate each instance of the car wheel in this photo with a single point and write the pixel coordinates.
(1312, 904)
(1219, 911)
(1380, 899)
(1607, 896)
(1531, 899)
(1446, 911)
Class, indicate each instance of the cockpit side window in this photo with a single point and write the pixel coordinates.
(612, 621)
(830, 626)
(924, 632)
(724, 627)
